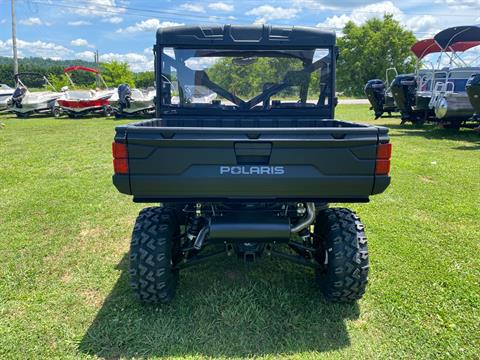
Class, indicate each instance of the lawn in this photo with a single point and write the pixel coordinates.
(64, 238)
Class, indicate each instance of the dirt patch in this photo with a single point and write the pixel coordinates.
(92, 297)
(426, 179)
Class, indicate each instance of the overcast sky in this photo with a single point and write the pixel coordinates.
(125, 30)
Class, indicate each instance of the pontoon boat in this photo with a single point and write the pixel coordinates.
(450, 99)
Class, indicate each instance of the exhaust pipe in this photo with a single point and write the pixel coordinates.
(244, 228)
(308, 220)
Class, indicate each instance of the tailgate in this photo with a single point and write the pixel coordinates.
(327, 164)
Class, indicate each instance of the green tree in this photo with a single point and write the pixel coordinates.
(367, 51)
(248, 80)
(144, 79)
(58, 81)
(115, 73)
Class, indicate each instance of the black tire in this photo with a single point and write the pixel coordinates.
(107, 110)
(152, 276)
(342, 245)
(56, 112)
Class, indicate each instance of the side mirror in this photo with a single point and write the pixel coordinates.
(64, 88)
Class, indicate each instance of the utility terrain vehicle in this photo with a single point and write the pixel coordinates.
(250, 170)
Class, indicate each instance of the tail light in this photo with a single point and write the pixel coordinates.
(384, 153)
(120, 158)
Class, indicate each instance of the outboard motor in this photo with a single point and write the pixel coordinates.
(404, 88)
(473, 91)
(18, 96)
(375, 92)
(124, 96)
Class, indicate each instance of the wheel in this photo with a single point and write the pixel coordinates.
(22, 115)
(152, 276)
(107, 110)
(342, 247)
(56, 112)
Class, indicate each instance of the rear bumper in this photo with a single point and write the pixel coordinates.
(178, 188)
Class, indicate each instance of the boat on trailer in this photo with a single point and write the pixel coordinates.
(380, 96)
(78, 102)
(6, 93)
(450, 100)
(24, 102)
(127, 101)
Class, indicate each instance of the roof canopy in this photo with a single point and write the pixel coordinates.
(430, 46)
(78, 67)
(245, 37)
(457, 34)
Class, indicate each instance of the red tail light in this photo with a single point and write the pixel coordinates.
(384, 153)
(119, 150)
(120, 158)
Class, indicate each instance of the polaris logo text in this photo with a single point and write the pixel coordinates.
(252, 170)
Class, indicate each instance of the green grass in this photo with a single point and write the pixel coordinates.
(64, 237)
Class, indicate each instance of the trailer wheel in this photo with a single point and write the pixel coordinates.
(56, 112)
(107, 110)
(152, 276)
(343, 254)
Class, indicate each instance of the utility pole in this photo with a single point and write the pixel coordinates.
(14, 40)
(97, 78)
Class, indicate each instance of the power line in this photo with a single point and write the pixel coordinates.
(186, 14)
(169, 13)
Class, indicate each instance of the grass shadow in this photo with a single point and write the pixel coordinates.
(222, 309)
(434, 132)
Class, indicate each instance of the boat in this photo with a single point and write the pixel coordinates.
(473, 92)
(413, 92)
(79, 102)
(127, 101)
(6, 93)
(24, 102)
(380, 96)
(450, 100)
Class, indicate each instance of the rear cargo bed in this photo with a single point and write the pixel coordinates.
(215, 159)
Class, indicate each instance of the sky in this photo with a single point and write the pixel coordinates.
(125, 30)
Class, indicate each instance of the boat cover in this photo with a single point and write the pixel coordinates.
(429, 46)
(456, 34)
